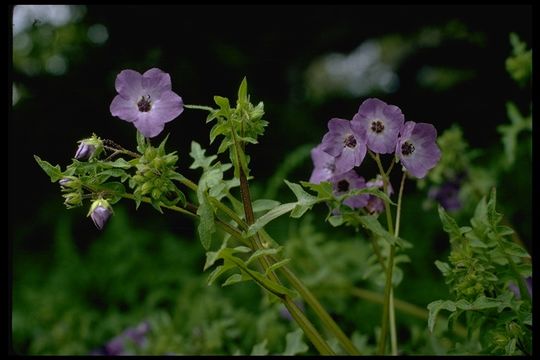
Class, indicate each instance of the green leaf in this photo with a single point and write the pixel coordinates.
(54, 172)
(514, 249)
(493, 216)
(260, 348)
(276, 266)
(224, 105)
(372, 224)
(434, 307)
(449, 225)
(119, 163)
(303, 197)
(114, 191)
(141, 142)
(233, 279)
(242, 92)
(335, 220)
(199, 159)
(443, 267)
(261, 252)
(264, 204)
(323, 189)
(269, 216)
(206, 225)
(295, 345)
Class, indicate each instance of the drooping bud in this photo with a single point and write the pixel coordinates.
(100, 211)
(89, 148)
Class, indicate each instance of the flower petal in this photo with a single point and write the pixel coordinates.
(124, 109)
(148, 126)
(346, 161)
(129, 84)
(339, 126)
(167, 108)
(155, 82)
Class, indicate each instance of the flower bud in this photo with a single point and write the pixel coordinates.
(73, 199)
(100, 211)
(64, 182)
(85, 151)
(89, 148)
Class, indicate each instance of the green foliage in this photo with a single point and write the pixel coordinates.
(481, 265)
(519, 64)
(238, 126)
(511, 132)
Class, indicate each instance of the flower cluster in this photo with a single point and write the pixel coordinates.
(379, 128)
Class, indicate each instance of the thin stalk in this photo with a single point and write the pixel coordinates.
(403, 306)
(393, 333)
(198, 107)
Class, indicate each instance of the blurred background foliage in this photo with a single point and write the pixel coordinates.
(76, 290)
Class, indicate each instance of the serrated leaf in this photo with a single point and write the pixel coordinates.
(260, 348)
(493, 216)
(218, 271)
(294, 344)
(434, 307)
(119, 163)
(264, 204)
(54, 172)
(199, 159)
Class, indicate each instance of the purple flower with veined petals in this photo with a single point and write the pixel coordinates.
(381, 123)
(350, 181)
(346, 142)
(146, 100)
(375, 204)
(417, 148)
(324, 165)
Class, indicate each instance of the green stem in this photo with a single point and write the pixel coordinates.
(387, 287)
(198, 107)
(520, 280)
(403, 306)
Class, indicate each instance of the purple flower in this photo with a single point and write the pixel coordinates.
(381, 123)
(447, 195)
(346, 142)
(375, 204)
(146, 100)
(100, 211)
(324, 165)
(515, 289)
(417, 148)
(350, 181)
(117, 346)
(284, 312)
(84, 151)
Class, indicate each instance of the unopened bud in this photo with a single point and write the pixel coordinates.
(100, 211)
(84, 151)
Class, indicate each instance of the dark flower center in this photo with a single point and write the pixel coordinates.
(350, 141)
(407, 148)
(377, 126)
(343, 186)
(144, 104)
